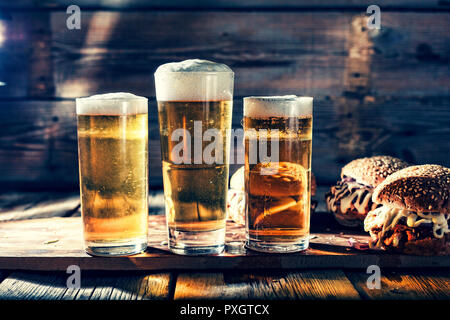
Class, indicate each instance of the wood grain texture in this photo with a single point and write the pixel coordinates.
(38, 205)
(295, 52)
(324, 284)
(404, 285)
(15, 52)
(387, 94)
(94, 286)
(23, 206)
(41, 81)
(56, 243)
(24, 286)
(226, 4)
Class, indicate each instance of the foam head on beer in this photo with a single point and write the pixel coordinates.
(194, 80)
(278, 106)
(116, 103)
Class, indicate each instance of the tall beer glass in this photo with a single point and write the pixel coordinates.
(278, 192)
(113, 163)
(195, 101)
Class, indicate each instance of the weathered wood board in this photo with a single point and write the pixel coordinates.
(405, 285)
(322, 284)
(380, 92)
(56, 243)
(95, 286)
(270, 52)
(224, 4)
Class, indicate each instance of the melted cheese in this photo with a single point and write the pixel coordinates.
(387, 218)
(348, 193)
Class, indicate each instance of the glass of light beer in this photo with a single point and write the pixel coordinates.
(278, 189)
(195, 102)
(113, 163)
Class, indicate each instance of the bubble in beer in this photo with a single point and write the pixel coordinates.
(278, 106)
(115, 103)
(194, 80)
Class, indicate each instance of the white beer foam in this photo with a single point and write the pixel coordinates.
(116, 103)
(278, 106)
(194, 80)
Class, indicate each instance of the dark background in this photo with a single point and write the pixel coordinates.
(383, 92)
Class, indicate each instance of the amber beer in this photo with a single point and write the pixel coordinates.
(278, 192)
(194, 97)
(113, 163)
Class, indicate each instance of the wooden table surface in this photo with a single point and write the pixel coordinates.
(317, 283)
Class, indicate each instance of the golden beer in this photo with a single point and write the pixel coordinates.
(113, 163)
(278, 192)
(195, 97)
(195, 193)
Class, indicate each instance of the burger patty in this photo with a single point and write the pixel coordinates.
(402, 233)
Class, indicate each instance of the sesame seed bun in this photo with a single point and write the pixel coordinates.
(372, 171)
(423, 188)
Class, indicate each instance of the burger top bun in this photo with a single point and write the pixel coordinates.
(423, 188)
(372, 171)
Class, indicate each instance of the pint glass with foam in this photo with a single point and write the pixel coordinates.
(278, 188)
(113, 165)
(195, 101)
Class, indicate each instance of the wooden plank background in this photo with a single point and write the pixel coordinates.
(228, 4)
(381, 92)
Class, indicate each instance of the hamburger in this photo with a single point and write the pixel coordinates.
(236, 194)
(414, 212)
(351, 198)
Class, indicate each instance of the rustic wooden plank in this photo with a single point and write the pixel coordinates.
(115, 287)
(56, 243)
(14, 55)
(324, 284)
(39, 205)
(38, 143)
(261, 60)
(224, 4)
(295, 52)
(411, 284)
(298, 52)
(31, 286)
(41, 83)
(94, 286)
